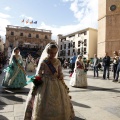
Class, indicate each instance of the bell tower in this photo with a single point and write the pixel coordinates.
(108, 27)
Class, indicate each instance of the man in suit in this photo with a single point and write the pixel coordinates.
(95, 65)
(106, 65)
(118, 70)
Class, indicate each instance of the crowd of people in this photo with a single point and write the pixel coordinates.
(48, 100)
(48, 97)
(107, 64)
(3, 60)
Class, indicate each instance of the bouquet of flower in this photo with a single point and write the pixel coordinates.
(80, 67)
(36, 80)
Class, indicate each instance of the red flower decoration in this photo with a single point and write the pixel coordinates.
(37, 77)
(37, 80)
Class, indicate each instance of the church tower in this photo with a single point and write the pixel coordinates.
(108, 27)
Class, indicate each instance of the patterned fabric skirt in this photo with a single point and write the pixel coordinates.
(78, 78)
(49, 102)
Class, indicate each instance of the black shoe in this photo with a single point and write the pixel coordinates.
(115, 80)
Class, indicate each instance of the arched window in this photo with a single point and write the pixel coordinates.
(46, 37)
(37, 36)
(21, 34)
(12, 33)
(29, 35)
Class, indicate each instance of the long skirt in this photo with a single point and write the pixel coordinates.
(78, 78)
(50, 101)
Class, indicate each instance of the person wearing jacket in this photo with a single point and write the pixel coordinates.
(106, 65)
(118, 70)
(95, 65)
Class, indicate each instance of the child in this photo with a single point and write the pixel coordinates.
(15, 76)
(50, 101)
(79, 78)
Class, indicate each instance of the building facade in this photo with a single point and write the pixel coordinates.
(25, 36)
(81, 42)
(108, 27)
(1, 45)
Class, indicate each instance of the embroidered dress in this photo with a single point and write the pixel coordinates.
(51, 101)
(15, 75)
(79, 78)
(30, 65)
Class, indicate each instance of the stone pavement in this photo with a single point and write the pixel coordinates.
(99, 101)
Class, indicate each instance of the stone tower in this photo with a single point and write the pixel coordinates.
(108, 27)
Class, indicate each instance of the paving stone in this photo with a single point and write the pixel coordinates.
(78, 116)
(100, 101)
(114, 110)
(6, 118)
(19, 110)
(10, 100)
(7, 108)
(19, 117)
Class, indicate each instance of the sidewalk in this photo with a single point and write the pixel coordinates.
(100, 101)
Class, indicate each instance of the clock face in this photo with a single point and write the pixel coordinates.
(113, 7)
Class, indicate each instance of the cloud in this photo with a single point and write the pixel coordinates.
(4, 16)
(86, 13)
(62, 29)
(7, 8)
(26, 17)
(67, 0)
(84, 8)
(55, 5)
(4, 22)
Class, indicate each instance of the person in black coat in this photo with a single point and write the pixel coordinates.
(106, 65)
(118, 70)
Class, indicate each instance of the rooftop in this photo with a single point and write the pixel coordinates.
(28, 28)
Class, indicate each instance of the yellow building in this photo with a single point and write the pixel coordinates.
(25, 36)
(81, 42)
(1, 45)
(108, 27)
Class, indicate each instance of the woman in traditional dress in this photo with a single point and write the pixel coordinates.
(15, 75)
(49, 101)
(30, 67)
(79, 78)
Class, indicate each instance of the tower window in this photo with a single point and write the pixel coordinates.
(113, 7)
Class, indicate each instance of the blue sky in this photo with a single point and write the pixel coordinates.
(60, 16)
